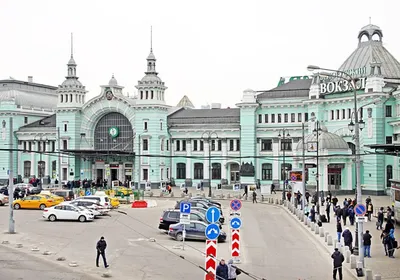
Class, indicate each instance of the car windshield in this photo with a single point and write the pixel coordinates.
(81, 208)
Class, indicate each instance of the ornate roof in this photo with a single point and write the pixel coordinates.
(185, 102)
(113, 81)
(370, 51)
(326, 140)
(294, 88)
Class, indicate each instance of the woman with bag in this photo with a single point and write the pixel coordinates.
(233, 271)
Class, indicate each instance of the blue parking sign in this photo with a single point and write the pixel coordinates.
(185, 207)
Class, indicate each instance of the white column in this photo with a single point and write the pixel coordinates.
(33, 164)
(47, 160)
(20, 164)
(189, 160)
(324, 175)
(224, 154)
(258, 167)
(350, 175)
(205, 162)
(275, 164)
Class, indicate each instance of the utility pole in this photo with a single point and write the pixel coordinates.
(59, 158)
(303, 176)
(11, 224)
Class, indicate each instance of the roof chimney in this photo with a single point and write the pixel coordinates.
(30, 79)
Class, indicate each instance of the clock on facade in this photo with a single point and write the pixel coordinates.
(113, 131)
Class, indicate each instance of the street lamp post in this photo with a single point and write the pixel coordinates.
(303, 176)
(208, 135)
(316, 132)
(41, 150)
(284, 136)
(352, 81)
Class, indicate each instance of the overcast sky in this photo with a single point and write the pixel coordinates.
(208, 50)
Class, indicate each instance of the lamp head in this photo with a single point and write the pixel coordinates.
(351, 126)
(361, 124)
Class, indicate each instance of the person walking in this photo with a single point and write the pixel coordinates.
(348, 239)
(273, 188)
(345, 213)
(338, 260)
(312, 213)
(222, 270)
(367, 244)
(246, 191)
(233, 271)
(254, 196)
(339, 230)
(379, 223)
(328, 210)
(351, 214)
(391, 243)
(370, 210)
(101, 250)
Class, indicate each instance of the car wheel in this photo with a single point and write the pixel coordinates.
(17, 206)
(42, 206)
(179, 236)
(82, 219)
(1, 203)
(52, 218)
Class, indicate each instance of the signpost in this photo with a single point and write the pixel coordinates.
(184, 219)
(235, 224)
(212, 232)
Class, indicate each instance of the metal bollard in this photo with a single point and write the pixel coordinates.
(346, 248)
(316, 229)
(335, 243)
(377, 277)
(305, 218)
(326, 236)
(347, 256)
(330, 240)
(368, 274)
(353, 262)
(321, 232)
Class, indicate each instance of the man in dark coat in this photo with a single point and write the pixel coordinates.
(328, 211)
(348, 238)
(222, 270)
(101, 250)
(338, 260)
(312, 212)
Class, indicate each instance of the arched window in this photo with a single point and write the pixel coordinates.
(152, 94)
(266, 171)
(70, 98)
(181, 171)
(285, 168)
(389, 175)
(61, 98)
(27, 169)
(66, 98)
(198, 171)
(41, 169)
(216, 171)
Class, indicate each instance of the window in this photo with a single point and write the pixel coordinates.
(332, 115)
(286, 116)
(279, 118)
(178, 145)
(389, 140)
(25, 120)
(349, 113)
(219, 145)
(266, 171)
(212, 145)
(152, 94)
(292, 117)
(145, 125)
(237, 145)
(141, 94)
(147, 94)
(299, 117)
(24, 146)
(388, 111)
(65, 145)
(161, 125)
(167, 172)
(286, 144)
(145, 174)
(65, 127)
(389, 175)
(181, 171)
(162, 173)
(145, 144)
(162, 144)
(266, 144)
(343, 114)
(167, 145)
(361, 111)
(183, 145)
(337, 114)
(201, 145)
(259, 118)
(27, 169)
(266, 118)
(30, 146)
(194, 145)
(198, 171)
(285, 167)
(41, 168)
(216, 171)
(272, 118)
(306, 117)
(53, 146)
(231, 145)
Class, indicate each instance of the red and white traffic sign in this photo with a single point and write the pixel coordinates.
(235, 245)
(211, 259)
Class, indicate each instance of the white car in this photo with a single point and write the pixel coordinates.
(91, 204)
(103, 200)
(3, 199)
(67, 212)
(93, 211)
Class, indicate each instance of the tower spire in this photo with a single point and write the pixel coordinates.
(72, 45)
(369, 20)
(151, 38)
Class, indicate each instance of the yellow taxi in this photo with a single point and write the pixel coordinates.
(114, 201)
(122, 191)
(34, 202)
(58, 199)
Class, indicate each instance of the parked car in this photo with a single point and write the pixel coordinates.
(102, 199)
(4, 190)
(91, 204)
(197, 203)
(67, 212)
(92, 210)
(68, 195)
(3, 199)
(203, 211)
(206, 200)
(56, 198)
(171, 217)
(34, 202)
(196, 230)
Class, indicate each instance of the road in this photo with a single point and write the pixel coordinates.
(16, 265)
(273, 245)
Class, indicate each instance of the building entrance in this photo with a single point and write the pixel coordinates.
(335, 176)
(235, 177)
(114, 174)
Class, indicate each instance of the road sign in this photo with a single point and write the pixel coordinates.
(211, 259)
(88, 192)
(236, 204)
(235, 246)
(212, 231)
(361, 219)
(185, 207)
(213, 214)
(184, 219)
(360, 210)
(236, 223)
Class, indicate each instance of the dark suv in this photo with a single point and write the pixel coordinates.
(171, 217)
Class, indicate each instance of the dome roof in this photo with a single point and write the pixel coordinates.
(326, 140)
(151, 56)
(71, 61)
(113, 81)
(71, 82)
(371, 30)
(151, 78)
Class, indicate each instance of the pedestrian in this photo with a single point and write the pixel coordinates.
(328, 210)
(273, 188)
(339, 230)
(368, 200)
(379, 222)
(351, 215)
(233, 271)
(101, 250)
(392, 243)
(345, 213)
(384, 236)
(329, 196)
(312, 213)
(222, 270)
(289, 196)
(254, 196)
(307, 195)
(246, 190)
(370, 210)
(334, 201)
(348, 239)
(367, 244)
(345, 202)
(338, 260)
(298, 196)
